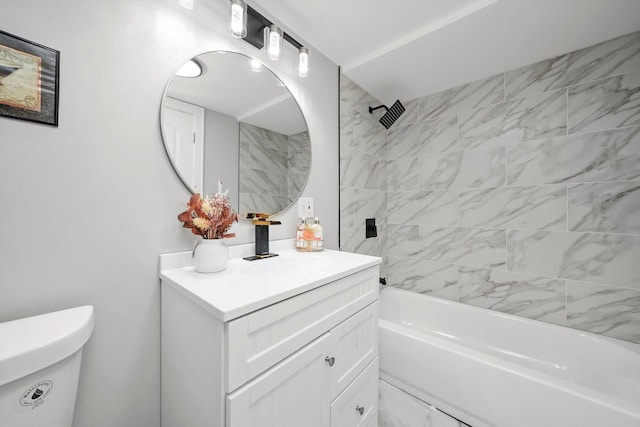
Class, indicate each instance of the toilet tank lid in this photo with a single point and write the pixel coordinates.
(33, 343)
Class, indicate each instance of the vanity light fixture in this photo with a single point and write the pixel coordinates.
(261, 32)
(238, 24)
(303, 62)
(191, 69)
(273, 40)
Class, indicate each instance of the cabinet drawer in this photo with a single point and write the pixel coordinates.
(358, 404)
(355, 345)
(261, 339)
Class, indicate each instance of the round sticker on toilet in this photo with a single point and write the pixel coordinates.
(34, 396)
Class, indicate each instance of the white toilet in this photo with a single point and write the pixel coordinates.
(40, 366)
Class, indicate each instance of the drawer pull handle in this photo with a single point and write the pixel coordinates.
(360, 409)
(330, 360)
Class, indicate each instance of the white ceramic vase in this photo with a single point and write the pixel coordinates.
(211, 255)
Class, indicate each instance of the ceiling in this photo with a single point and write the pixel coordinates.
(258, 98)
(404, 49)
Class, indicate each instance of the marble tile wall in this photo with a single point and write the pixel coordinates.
(363, 172)
(521, 192)
(273, 168)
(298, 162)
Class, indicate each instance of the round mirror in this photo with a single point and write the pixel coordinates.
(236, 122)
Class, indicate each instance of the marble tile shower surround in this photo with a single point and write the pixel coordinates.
(605, 104)
(518, 193)
(592, 307)
(605, 207)
(606, 59)
(298, 161)
(273, 168)
(363, 171)
(539, 297)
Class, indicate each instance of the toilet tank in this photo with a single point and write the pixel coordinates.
(40, 366)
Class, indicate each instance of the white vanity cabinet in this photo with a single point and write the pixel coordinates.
(297, 349)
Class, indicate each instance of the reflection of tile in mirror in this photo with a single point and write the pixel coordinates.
(274, 168)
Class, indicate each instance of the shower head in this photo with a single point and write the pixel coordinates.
(391, 115)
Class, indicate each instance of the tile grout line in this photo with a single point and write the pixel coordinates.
(566, 220)
(506, 249)
(504, 85)
(567, 111)
(566, 302)
(457, 282)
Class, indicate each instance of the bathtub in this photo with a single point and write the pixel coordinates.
(490, 369)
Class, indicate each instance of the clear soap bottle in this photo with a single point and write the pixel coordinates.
(300, 242)
(318, 239)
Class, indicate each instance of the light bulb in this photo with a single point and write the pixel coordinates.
(187, 4)
(273, 36)
(238, 25)
(256, 66)
(303, 62)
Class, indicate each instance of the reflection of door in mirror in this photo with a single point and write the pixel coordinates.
(184, 139)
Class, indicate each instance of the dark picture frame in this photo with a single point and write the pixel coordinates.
(29, 80)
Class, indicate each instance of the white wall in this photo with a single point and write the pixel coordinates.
(221, 153)
(86, 208)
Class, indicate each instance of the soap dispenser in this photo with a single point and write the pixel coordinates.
(318, 238)
(300, 242)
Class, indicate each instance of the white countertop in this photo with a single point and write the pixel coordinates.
(246, 286)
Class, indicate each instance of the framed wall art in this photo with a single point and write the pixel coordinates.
(29, 80)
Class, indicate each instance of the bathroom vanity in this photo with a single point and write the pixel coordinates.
(284, 341)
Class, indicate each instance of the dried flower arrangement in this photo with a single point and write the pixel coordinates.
(210, 216)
